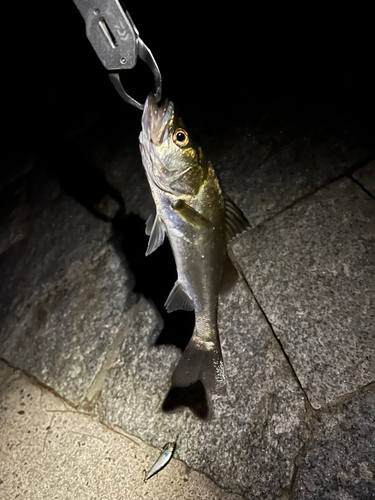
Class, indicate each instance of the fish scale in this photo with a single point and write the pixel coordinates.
(199, 220)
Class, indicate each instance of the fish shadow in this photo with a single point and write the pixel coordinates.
(193, 397)
(154, 275)
(90, 185)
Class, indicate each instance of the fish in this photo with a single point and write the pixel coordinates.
(199, 220)
(162, 461)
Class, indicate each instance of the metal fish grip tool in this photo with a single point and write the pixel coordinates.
(116, 41)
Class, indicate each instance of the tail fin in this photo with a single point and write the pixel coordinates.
(199, 364)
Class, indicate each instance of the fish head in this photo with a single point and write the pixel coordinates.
(173, 162)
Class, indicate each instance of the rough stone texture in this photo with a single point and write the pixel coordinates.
(126, 173)
(366, 176)
(50, 451)
(249, 443)
(15, 167)
(46, 237)
(311, 270)
(267, 162)
(62, 338)
(339, 462)
(138, 380)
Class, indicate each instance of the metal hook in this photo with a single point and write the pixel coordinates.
(145, 54)
(116, 41)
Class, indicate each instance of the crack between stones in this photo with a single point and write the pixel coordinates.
(347, 397)
(97, 385)
(75, 408)
(33, 380)
(347, 174)
(307, 402)
(301, 455)
(91, 414)
(359, 184)
(311, 413)
(297, 461)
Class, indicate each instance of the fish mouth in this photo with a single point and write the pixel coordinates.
(156, 125)
(155, 119)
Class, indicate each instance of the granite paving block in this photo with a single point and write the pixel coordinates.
(263, 182)
(125, 172)
(268, 161)
(366, 176)
(311, 270)
(50, 451)
(339, 462)
(248, 442)
(15, 165)
(48, 236)
(13, 216)
(63, 337)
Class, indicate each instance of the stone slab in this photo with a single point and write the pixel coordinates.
(268, 160)
(49, 450)
(15, 165)
(366, 176)
(13, 216)
(46, 237)
(125, 171)
(248, 443)
(311, 270)
(339, 462)
(63, 336)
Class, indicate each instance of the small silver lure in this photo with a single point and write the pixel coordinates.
(162, 460)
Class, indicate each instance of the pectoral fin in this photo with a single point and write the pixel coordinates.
(235, 221)
(157, 235)
(189, 215)
(178, 300)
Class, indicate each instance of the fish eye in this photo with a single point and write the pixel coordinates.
(181, 137)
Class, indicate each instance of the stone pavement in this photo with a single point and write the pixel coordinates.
(51, 450)
(88, 350)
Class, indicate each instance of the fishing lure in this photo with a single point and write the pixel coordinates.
(162, 461)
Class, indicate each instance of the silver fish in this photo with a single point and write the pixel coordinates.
(199, 220)
(162, 461)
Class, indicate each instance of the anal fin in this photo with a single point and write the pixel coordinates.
(178, 300)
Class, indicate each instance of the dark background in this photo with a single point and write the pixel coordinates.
(221, 63)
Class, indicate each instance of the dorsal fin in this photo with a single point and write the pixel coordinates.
(235, 221)
(156, 236)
